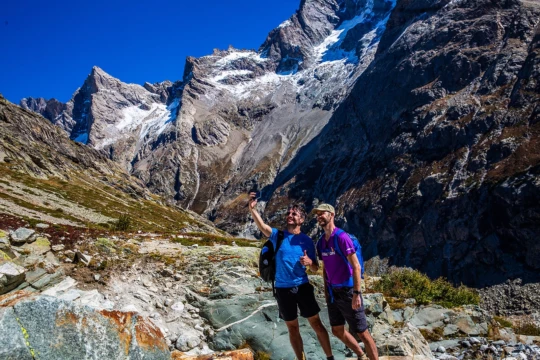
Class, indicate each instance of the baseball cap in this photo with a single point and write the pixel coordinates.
(324, 207)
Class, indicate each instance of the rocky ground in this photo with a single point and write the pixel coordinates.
(182, 296)
(511, 298)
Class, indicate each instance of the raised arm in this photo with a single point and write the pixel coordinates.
(264, 228)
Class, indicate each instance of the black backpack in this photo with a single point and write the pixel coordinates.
(267, 259)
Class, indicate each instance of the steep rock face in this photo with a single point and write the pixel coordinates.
(31, 144)
(433, 158)
(51, 109)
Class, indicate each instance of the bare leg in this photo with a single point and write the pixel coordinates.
(371, 348)
(342, 334)
(322, 334)
(295, 338)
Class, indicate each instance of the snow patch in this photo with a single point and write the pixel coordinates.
(268, 82)
(157, 123)
(285, 24)
(226, 74)
(338, 35)
(330, 48)
(152, 121)
(235, 55)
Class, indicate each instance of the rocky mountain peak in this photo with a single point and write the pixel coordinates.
(293, 44)
(99, 79)
(34, 104)
(50, 109)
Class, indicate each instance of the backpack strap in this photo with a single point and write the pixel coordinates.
(328, 285)
(337, 248)
(318, 246)
(340, 252)
(279, 241)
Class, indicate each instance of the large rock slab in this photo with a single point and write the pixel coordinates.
(58, 329)
(254, 320)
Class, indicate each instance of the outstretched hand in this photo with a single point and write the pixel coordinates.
(305, 260)
(252, 200)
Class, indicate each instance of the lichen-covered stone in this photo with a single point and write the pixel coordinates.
(13, 344)
(58, 329)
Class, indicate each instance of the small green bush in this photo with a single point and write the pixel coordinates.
(261, 355)
(527, 328)
(431, 336)
(502, 321)
(407, 283)
(123, 223)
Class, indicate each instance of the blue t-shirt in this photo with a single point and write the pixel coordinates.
(289, 271)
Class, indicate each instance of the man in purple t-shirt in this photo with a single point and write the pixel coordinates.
(343, 281)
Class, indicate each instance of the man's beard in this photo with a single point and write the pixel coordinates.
(292, 222)
(323, 222)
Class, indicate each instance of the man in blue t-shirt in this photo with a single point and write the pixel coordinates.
(293, 290)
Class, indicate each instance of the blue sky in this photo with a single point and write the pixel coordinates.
(47, 48)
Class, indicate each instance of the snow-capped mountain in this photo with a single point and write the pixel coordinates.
(234, 109)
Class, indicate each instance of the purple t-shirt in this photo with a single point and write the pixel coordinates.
(337, 271)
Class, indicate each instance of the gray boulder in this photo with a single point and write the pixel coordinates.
(431, 316)
(11, 276)
(58, 329)
(407, 341)
(373, 303)
(21, 236)
(187, 341)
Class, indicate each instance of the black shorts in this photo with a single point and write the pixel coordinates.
(299, 297)
(341, 310)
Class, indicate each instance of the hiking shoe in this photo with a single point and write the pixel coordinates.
(363, 357)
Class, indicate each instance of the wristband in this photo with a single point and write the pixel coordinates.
(357, 292)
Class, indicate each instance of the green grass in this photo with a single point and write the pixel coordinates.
(527, 328)
(431, 336)
(502, 321)
(130, 213)
(52, 212)
(407, 283)
(205, 239)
